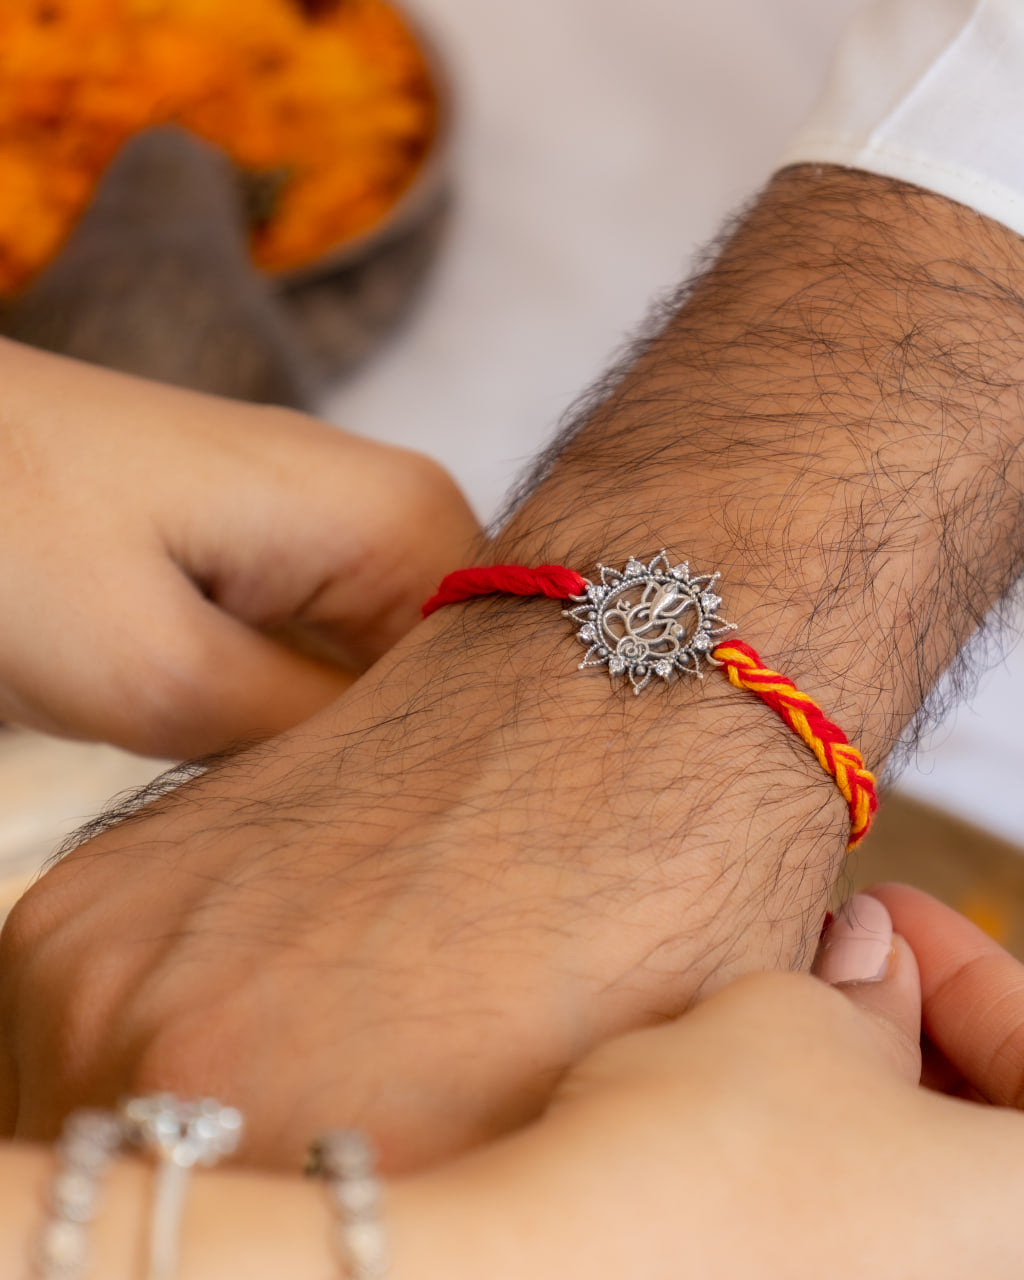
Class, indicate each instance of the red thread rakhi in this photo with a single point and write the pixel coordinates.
(658, 619)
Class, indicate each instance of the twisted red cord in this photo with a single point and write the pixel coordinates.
(740, 662)
(506, 579)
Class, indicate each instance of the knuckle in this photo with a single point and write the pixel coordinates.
(435, 483)
(425, 482)
(33, 919)
(279, 422)
(52, 1006)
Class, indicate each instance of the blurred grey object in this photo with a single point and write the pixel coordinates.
(343, 313)
(156, 280)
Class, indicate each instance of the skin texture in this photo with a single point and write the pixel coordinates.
(776, 1130)
(779, 1105)
(419, 908)
(183, 571)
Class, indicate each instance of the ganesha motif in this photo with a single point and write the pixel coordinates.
(649, 620)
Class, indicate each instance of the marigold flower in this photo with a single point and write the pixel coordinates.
(334, 96)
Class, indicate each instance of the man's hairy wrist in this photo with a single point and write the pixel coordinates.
(831, 416)
(691, 831)
(832, 420)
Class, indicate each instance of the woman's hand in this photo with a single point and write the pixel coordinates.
(776, 1131)
(181, 571)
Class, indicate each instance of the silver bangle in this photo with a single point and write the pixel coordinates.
(343, 1158)
(85, 1151)
(179, 1136)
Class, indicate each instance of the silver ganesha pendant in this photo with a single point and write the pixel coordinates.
(649, 620)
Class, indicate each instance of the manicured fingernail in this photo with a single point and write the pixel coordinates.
(857, 946)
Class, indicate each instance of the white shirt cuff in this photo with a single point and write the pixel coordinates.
(930, 92)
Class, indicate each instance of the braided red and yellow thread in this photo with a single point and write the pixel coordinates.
(831, 747)
(740, 662)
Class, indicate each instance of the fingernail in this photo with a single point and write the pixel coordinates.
(857, 946)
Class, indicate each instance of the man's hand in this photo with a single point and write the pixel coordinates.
(182, 571)
(415, 910)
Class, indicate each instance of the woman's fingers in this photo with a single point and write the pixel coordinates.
(223, 682)
(876, 970)
(328, 537)
(973, 993)
(776, 1092)
(761, 1031)
(152, 666)
(183, 571)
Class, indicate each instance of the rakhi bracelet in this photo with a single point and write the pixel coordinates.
(343, 1159)
(178, 1135)
(658, 619)
(87, 1147)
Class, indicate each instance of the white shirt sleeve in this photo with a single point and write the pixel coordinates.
(931, 92)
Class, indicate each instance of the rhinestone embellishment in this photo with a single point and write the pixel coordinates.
(185, 1133)
(648, 620)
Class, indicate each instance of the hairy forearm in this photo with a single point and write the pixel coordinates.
(232, 1225)
(833, 419)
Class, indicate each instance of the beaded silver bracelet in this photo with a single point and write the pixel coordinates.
(343, 1158)
(178, 1135)
(85, 1151)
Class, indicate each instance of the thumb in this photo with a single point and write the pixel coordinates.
(860, 954)
(973, 994)
(198, 680)
(236, 684)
